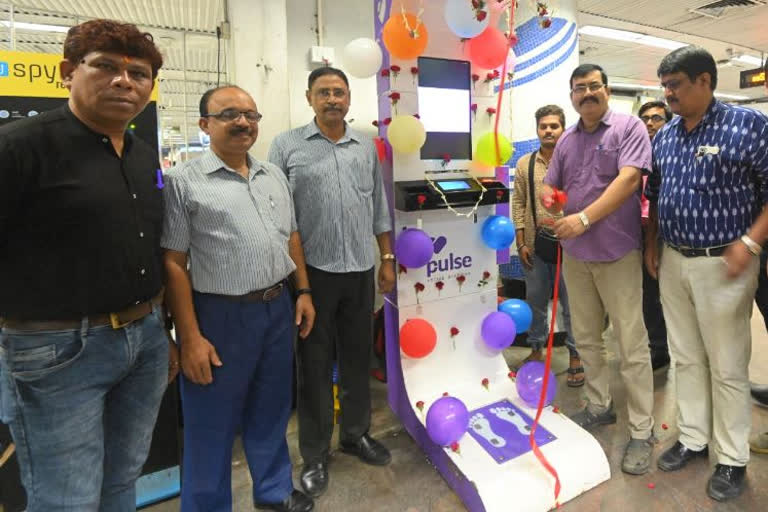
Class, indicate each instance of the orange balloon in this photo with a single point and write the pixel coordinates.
(401, 42)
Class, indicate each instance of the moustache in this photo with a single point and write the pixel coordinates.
(238, 131)
(585, 100)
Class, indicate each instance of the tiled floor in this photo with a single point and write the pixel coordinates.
(411, 484)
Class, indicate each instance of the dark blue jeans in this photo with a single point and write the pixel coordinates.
(82, 405)
(250, 393)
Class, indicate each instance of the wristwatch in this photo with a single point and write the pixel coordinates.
(388, 257)
(584, 219)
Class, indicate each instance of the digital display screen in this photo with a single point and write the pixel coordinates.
(444, 108)
(450, 186)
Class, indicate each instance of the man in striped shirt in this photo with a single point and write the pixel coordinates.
(340, 207)
(707, 189)
(232, 218)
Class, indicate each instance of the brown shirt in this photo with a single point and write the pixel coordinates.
(522, 213)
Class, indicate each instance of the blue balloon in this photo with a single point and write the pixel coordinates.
(462, 19)
(498, 232)
(520, 312)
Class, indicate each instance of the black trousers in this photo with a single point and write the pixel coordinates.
(761, 295)
(653, 314)
(344, 326)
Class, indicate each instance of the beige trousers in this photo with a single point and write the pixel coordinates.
(710, 340)
(616, 288)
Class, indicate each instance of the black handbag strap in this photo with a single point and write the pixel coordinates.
(532, 186)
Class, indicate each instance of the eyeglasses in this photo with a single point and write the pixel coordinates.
(671, 85)
(581, 89)
(656, 118)
(230, 114)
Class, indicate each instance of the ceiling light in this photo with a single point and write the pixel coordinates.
(630, 37)
(748, 59)
(35, 26)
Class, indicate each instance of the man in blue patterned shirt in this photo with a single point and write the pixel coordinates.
(707, 189)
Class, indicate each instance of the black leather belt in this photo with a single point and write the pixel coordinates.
(265, 295)
(117, 320)
(690, 252)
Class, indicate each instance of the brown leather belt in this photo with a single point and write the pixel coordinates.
(117, 320)
(265, 295)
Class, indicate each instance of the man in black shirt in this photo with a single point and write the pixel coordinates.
(84, 358)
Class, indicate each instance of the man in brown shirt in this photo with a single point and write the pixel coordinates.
(540, 275)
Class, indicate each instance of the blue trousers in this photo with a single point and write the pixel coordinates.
(251, 393)
(82, 404)
(539, 285)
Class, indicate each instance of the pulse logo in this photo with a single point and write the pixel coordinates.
(3, 69)
(450, 262)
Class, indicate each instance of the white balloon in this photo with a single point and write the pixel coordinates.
(362, 57)
(462, 19)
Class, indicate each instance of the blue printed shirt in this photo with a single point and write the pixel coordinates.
(710, 184)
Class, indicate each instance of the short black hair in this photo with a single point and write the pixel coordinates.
(206, 98)
(656, 104)
(550, 110)
(586, 69)
(325, 70)
(691, 60)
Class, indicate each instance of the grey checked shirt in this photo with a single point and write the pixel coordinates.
(339, 196)
(235, 230)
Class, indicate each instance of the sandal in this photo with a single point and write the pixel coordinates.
(573, 371)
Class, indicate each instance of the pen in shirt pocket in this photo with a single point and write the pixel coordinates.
(271, 202)
(159, 180)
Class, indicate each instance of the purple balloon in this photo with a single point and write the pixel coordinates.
(530, 379)
(498, 330)
(447, 420)
(413, 248)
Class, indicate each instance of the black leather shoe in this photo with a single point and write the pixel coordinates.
(678, 456)
(727, 482)
(296, 502)
(368, 450)
(760, 394)
(659, 359)
(314, 478)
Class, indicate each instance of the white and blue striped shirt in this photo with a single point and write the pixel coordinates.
(235, 230)
(711, 182)
(339, 196)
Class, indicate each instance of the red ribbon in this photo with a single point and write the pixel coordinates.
(542, 398)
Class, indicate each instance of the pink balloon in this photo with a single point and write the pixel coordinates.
(489, 49)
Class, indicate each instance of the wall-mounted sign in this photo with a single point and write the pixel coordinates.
(752, 78)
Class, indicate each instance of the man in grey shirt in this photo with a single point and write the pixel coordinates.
(340, 207)
(232, 218)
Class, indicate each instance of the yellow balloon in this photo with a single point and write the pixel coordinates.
(485, 151)
(406, 134)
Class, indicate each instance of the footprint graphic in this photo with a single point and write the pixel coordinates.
(508, 414)
(482, 426)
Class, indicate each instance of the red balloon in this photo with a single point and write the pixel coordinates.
(489, 49)
(417, 338)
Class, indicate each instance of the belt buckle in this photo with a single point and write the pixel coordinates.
(114, 320)
(272, 293)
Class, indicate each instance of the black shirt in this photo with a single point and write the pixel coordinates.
(79, 225)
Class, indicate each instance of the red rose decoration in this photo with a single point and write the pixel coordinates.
(439, 285)
(394, 97)
(419, 288)
(460, 279)
(490, 111)
(395, 68)
(401, 269)
(454, 331)
(420, 405)
(546, 23)
(486, 274)
(475, 77)
(384, 72)
(473, 107)
(511, 375)
(485, 382)
(481, 15)
(375, 123)
(417, 116)
(414, 70)
(387, 121)
(455, 447)
(445, 393)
